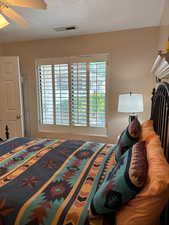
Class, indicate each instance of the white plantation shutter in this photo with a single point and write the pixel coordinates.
(61, 94)
(73, 94)
(54, 94)
(79, 94)
(97, 89)
(46, 94)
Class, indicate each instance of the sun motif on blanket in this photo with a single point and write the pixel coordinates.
(57, 190)
(84, 154)
(49, 164)
(40, 213)
(4, 211)
(29, 182)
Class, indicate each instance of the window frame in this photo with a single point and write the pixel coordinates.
(66, 129)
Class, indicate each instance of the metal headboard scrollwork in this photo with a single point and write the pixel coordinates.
(160, 117)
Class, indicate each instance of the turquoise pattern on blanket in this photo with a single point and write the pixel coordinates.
(41, 178)
(117, 189)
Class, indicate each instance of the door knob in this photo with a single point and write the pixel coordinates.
(18, 116)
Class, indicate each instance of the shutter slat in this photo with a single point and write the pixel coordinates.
(61, 94)
(79, 94)
(46, 94)
(97, 94)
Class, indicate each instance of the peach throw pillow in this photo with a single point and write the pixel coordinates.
(147, 131)
(146, 207)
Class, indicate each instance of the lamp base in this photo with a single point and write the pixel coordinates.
(132, 117)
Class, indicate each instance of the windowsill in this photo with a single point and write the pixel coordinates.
(80, 131)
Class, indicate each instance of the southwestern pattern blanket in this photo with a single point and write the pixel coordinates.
(49, 181)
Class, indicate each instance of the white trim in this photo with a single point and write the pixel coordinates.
(75, 130)
(38, 95)
(21, 97)
(72, 59)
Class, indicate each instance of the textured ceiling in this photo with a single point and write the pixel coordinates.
(91, 16)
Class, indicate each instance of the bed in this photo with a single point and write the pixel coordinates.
(47, 181)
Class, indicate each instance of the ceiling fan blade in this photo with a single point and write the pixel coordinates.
(3, 21)
(37, 4)
(10, 13)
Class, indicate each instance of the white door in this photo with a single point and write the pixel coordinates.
(11, 113)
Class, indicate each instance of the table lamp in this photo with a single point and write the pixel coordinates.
(130, 103)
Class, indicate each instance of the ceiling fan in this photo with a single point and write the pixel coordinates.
(7, 11)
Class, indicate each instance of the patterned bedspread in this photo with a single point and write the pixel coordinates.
(49, 181)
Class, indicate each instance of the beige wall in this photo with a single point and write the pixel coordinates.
(0, 50)
(132, 54)
(164, 26)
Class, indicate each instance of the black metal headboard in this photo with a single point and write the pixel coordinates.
(6, 134)
(160, 117)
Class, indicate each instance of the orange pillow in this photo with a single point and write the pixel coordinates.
(147, 206)
(147, 131)
(148, 124)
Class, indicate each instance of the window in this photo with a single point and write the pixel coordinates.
(73, 93)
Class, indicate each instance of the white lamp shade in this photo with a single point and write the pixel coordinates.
(130, 103)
